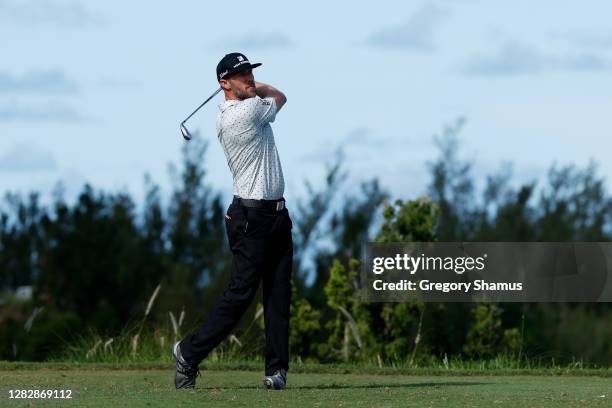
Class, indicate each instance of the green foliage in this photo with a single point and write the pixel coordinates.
(47, 334)
(400, 324)
(341, 297)
(319, 224)
(485, 332)
(512, 341)
(304, 328)
(339, 289)
(411, 221)
(382, 331)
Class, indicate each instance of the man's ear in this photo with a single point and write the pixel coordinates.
(225, 84)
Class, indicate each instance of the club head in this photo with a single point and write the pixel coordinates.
(185, 132)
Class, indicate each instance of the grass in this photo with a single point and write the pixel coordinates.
(104, 385)
(468, 368)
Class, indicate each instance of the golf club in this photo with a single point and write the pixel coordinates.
(184, 131)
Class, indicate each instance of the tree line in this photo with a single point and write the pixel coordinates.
(93, 264)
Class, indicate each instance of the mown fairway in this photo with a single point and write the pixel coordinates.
(154, 388)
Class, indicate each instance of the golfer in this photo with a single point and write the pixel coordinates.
(257, 223)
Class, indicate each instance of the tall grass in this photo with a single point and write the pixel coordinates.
(154, 347)
(144, 342)
(138, 344)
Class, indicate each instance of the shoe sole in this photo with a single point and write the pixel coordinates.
(270, 385)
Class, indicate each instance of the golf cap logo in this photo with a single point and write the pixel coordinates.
(241, 60)
(223, 74)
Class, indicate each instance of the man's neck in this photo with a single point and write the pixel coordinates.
(229, 96)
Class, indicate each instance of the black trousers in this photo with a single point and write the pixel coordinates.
(262, 250)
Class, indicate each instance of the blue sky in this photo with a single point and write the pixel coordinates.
(95, 91)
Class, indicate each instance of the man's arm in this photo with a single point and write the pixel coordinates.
(265, 91)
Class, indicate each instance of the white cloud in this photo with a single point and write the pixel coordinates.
(52, 81)
(415, 34)
(595, 40)
(256, 41)
(50, 112)
(514, 58)
(26, 157)
(47, 12)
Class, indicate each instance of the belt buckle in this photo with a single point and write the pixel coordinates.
(280, 205)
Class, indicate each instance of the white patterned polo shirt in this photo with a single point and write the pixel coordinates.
(243, 128)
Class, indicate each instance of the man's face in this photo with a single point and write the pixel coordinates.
(242, 84)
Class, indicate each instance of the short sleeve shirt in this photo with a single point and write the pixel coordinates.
(243, 128)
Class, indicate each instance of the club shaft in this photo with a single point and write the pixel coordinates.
(203, 103)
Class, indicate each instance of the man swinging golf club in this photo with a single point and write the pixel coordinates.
(257, 223)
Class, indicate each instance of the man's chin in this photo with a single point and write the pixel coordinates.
(247, 95)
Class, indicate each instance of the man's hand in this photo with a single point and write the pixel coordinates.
(265, 91)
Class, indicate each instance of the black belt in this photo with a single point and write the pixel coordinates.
(273, 205)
